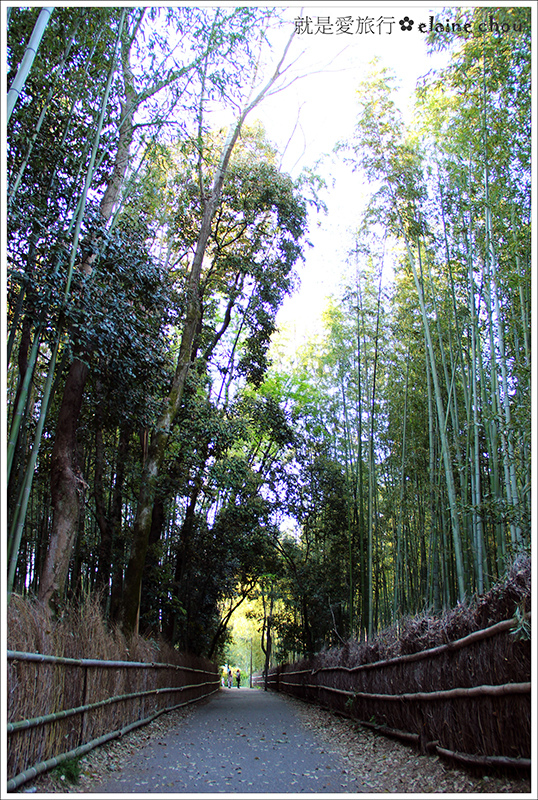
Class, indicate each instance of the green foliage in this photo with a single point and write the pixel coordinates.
(69, 770)
(127, 303)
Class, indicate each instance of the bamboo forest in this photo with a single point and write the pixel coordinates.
(171, 453)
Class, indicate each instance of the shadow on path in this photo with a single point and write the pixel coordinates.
(242, 740)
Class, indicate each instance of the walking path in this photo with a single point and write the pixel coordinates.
(242, 740)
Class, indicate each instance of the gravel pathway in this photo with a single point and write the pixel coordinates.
(243, 740)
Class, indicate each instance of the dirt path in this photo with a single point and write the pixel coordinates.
(243, 740)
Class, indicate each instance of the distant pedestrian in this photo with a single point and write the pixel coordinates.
(238, 678)
(229, 678)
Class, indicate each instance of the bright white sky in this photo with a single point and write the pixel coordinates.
(326, 104)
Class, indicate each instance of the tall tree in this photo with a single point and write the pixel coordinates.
(210, 202)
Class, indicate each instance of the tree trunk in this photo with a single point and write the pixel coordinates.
(266, 640)
(105, 543)
(182, 556)
(67, 487)
(65, 475)
(150, 602)
(109, 523)
(268, 648)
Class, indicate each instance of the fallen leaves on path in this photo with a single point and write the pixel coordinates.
(381, 764)
(111, 757)
(385, 765)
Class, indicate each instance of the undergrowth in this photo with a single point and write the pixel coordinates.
(69, 770)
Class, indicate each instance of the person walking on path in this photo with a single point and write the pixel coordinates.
(238, 678)
(229, 677)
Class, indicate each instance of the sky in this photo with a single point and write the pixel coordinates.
(321, 108)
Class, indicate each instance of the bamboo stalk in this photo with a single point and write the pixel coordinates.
(28, 60)
(20, 516)
(397, 557)
(498, 334)
(44, 110)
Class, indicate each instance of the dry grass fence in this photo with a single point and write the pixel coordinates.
(466, 698)
(73, 685)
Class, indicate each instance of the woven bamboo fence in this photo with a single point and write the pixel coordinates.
(61, 708)
(469, 699)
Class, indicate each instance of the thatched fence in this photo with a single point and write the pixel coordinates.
(467, 699)
(61, 708)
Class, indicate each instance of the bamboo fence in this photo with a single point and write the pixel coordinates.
(77, 704)
(469, 699)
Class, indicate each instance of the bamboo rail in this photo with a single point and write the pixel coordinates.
(446, 694)
(208, 688)
(434, 747)
(44, 766)
(299, 682)
(457, 644)
(485, 761)
(24, 724)
(16, 655)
